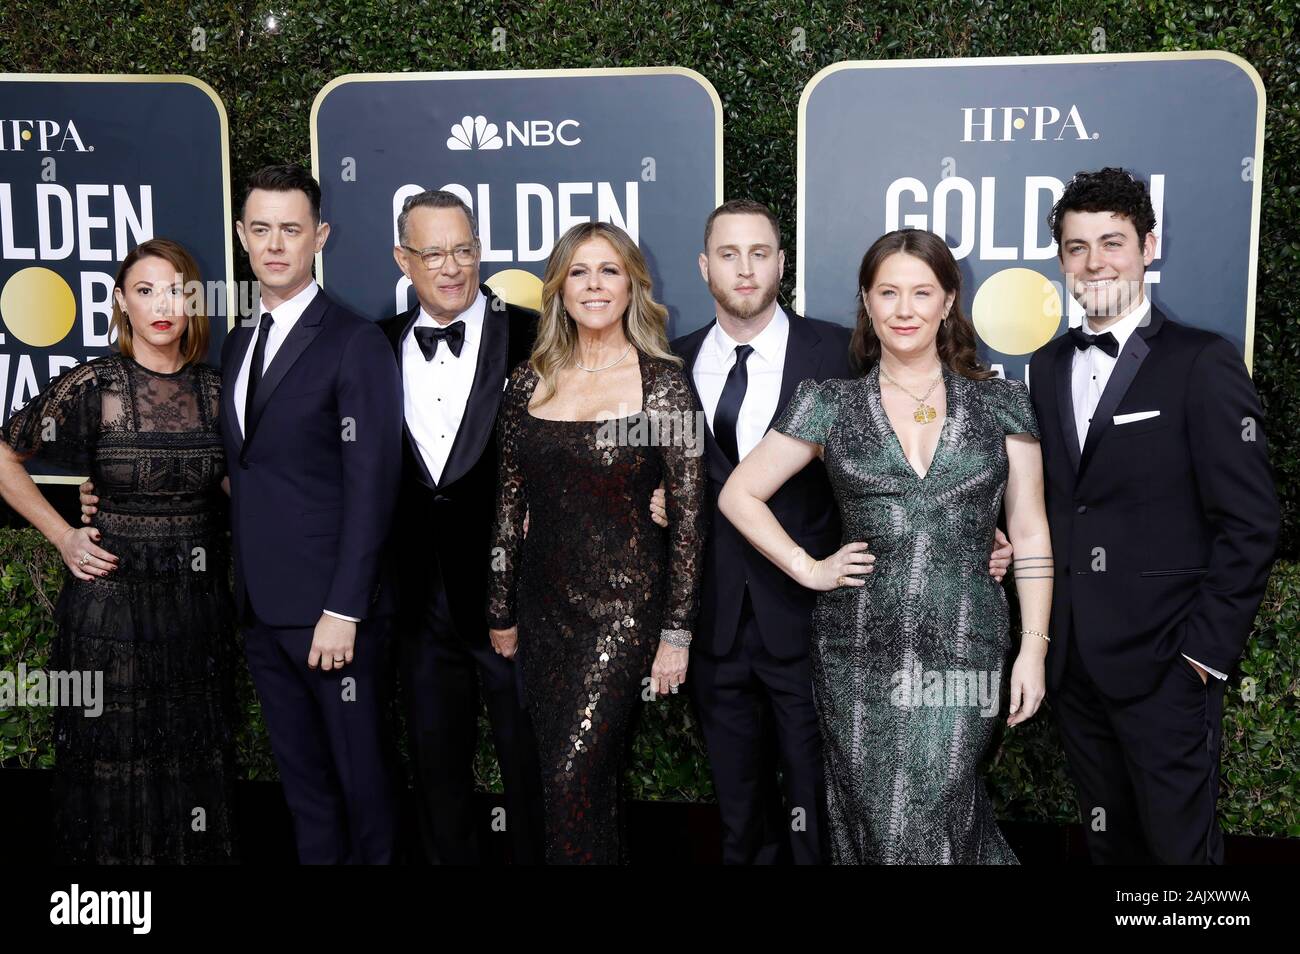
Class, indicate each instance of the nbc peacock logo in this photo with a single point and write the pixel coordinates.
(474, 132)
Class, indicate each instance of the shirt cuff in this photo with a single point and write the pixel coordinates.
(350, 619)
(1213, 672)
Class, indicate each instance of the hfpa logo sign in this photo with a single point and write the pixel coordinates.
(475, 132)
(1001, 123)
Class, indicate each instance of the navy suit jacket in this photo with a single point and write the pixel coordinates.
(1163, 529)
(313, 482)
(805, 507)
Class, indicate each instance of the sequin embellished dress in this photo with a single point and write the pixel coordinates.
(907, 669)
(593, 585)
(147, 778)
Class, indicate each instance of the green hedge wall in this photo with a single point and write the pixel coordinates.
(758, 55)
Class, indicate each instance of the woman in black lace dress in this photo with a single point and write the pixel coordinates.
(147, 779)
(603, 598)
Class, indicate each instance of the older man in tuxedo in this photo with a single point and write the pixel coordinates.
(455, 348)
(1164, 522)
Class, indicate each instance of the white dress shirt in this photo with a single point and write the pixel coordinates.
(434, 393)
(283, 317)
(1091, 372)
(1092, 368)
(765, 367)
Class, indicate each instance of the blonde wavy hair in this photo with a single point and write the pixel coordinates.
(645, 323)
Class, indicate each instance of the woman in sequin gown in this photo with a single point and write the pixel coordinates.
(148, 779)
(908, 649)
(602, 597)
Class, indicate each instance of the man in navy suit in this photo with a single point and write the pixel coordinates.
(312, 421)
(1164, 521)
(311, 417)
(750, 676)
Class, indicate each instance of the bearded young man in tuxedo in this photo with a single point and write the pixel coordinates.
(1164, 522)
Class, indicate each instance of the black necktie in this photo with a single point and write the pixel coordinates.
(728, 410)
(1105, 341)
(427, 338)
(255, 371)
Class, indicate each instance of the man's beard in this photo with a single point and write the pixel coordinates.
(741, 307)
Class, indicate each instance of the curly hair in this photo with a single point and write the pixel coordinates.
(956, 341)
(1108, 190)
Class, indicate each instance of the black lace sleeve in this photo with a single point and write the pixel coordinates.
(60, 425)
(512, 500)
(681, 448)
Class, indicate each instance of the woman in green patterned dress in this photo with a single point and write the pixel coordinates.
(910, 640)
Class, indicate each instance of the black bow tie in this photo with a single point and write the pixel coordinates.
(427, 338)
(1105, 341)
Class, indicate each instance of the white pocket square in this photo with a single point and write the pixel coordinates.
(1135, 416)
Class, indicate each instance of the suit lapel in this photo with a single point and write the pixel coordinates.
(304, 332)
(1126, 368)
(1063, 372)
(398, 338)
(800, 361)
(720, 467)
(242, 339)
(479, 420)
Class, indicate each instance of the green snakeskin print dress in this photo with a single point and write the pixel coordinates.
(908, 669)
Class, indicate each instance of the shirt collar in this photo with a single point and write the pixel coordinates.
(286, 314)
(1125, 327)
(768, 344)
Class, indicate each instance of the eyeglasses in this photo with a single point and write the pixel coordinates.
(433, 258)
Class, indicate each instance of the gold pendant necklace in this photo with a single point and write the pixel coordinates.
(924, 413)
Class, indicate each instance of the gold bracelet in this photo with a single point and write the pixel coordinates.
(1034, 632)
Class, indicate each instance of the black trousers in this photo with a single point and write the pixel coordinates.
(756, 713)
(331, 740)
(1146, 769)
(443, 673)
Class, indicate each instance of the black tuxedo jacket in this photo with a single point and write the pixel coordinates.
(805, 507)
(443, 535)
(1164, 529)
(313, 481)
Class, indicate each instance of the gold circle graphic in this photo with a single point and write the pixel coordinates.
(38, 307)
(1016, 311)
(517, 287)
